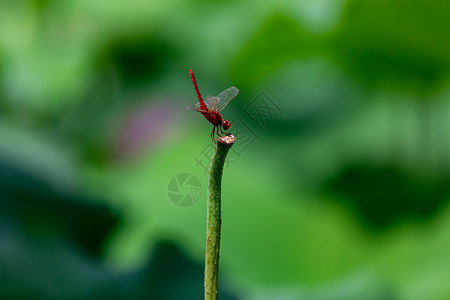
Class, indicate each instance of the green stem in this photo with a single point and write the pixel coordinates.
(213, 218)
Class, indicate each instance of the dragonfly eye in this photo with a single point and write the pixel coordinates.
(226, 124)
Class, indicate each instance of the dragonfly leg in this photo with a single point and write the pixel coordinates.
(218, 134)
(212, 134)
(221, 130)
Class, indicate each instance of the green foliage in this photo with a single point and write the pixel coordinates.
(403, 44)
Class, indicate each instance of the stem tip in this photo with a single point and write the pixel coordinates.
(228, 139)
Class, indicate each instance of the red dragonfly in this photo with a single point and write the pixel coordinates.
(213, 106)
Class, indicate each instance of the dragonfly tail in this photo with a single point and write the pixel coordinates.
(202, 103)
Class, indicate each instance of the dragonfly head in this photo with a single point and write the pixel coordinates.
(226, 124)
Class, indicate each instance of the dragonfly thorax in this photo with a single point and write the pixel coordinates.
(214, 117)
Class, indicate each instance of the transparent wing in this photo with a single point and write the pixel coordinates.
(226, 97)
(197, 105)
(197, 108)
(211, 103)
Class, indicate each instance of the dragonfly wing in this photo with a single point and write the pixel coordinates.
(197, 108)
(226, 97)
(212, 102)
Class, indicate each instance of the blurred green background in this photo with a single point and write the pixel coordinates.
(341, 192)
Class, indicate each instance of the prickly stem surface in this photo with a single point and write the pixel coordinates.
(214, 220)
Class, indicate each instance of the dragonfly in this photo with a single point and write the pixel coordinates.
(212, 106)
